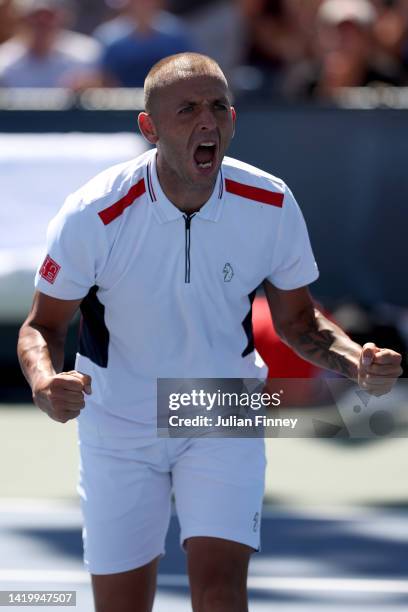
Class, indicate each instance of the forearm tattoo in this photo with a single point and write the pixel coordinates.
(317, 346)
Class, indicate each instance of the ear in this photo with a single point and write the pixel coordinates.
(234, 119)
(147, 127)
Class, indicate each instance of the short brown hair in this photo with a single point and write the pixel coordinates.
(176, 67)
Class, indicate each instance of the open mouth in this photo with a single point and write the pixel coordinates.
(204, 155)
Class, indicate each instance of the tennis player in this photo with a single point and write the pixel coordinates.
(163, 255)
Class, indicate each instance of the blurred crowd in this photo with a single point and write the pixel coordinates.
(283, 49)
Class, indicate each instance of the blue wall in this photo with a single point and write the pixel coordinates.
(349, 173)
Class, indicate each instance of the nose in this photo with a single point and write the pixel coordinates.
(207, 120)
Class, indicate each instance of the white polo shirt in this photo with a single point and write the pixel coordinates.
(165, 295)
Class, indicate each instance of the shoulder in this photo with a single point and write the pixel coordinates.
(107, 194)
(253, 184)
(112, 30)
(10, 52)
(79, 47)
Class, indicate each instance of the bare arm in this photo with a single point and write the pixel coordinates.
(40, 351)
(312, 336)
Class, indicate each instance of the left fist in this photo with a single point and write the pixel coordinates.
(378, 369)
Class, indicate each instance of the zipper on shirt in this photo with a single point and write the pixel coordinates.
(187, 220)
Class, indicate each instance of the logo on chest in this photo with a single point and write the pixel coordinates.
(228, 273)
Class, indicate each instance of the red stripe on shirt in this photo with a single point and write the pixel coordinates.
(115, 210)
(254, 193)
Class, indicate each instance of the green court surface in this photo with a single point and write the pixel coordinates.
(39, 459)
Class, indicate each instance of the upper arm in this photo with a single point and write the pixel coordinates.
(289, 307)
(51, 313)
(293, 263)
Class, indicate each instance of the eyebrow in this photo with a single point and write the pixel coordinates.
(223, 100)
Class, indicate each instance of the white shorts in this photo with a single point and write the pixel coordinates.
(218, 485)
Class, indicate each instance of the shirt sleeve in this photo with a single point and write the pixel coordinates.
(293, 262)
(75, 252)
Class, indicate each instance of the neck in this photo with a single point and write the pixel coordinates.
(143, 22)
(40, 47)
(186, 198)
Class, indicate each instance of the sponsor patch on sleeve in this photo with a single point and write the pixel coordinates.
(49, 270)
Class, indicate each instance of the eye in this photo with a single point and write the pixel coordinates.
(221, 106)
(186, 109)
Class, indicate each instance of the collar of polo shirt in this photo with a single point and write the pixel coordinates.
(166, 211)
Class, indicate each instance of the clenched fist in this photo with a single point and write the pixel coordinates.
(62, 396)
(378, 369)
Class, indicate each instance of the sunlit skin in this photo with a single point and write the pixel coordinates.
(190, 111)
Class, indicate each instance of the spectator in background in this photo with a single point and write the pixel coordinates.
(346, 53)
(149, 35)
(390, 31)
(90, 13)
(279, 36)
(43, 53)
(8, 20)
(217, 27)
(402, 9)
(124, 23)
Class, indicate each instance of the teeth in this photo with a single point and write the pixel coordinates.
(206, 165)
(207, 144)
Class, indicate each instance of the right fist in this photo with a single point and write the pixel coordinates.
(62, 396)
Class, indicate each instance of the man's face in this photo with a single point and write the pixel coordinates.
(44, 21)
(194, 123)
